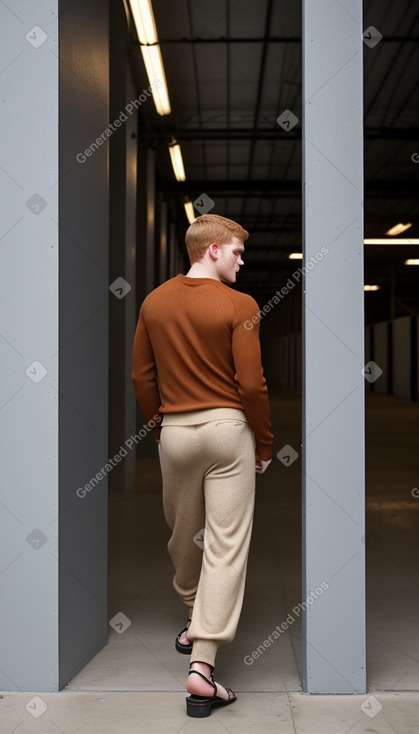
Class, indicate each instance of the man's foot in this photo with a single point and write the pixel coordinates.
(199, 687)
(183, 644)
(184, 640)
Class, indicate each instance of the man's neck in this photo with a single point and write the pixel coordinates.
(198, 270)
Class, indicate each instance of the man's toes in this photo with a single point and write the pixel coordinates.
(221, 692)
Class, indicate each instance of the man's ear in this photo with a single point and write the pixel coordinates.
(213, 250)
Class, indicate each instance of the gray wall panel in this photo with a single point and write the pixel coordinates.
(28, 347)
(84, 293)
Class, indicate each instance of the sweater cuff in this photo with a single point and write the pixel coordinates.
(264, 452)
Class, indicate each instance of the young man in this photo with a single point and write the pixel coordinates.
(197, 366)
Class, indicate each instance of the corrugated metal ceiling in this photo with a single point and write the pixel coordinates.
(232, 68)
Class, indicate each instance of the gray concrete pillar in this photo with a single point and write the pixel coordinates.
(333, 590)
(54, 341)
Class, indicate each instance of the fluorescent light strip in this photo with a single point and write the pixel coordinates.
(155, 70)
(372, 287)
(190, 213)
(144, 21)
(142, 12)
(411, 261)
(391, 241)
(177, 161)
(398, 229)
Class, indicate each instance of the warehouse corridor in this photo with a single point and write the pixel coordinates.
(143, 658)
(298, 121)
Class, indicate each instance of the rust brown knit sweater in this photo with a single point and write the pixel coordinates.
(192, 351)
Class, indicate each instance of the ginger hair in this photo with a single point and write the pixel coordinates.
(209, 228)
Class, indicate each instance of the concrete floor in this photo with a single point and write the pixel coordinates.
(136, 683)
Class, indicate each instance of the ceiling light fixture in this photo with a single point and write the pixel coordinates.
(411, 261)
(177, 161)
(295, 256)
(372, 287)
(391, 241)
(145, 25)
(398, 229)
(190, 213)
(153, 63)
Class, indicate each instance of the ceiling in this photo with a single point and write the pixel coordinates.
(232, 67)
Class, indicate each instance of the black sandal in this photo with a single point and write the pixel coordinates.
(200, 706)
(180, 647)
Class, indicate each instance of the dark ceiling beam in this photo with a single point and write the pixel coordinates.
(273, 133)
(263, 248)
(282, 186)
(264, 226)
(232, 188)
(258, 98)
(224, 39)
(197, 89)
(370, 133)
(286, 267)
(276, 228)
(387, 66)
(270, 39)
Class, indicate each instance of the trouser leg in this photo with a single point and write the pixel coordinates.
(183, 505)
(209, 483)
(229, 489)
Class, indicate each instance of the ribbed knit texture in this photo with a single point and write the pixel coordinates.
(192, 351)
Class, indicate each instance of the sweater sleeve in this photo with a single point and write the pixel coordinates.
(251, 383)
(144, 375)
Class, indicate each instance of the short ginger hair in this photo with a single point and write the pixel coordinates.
(209, 228)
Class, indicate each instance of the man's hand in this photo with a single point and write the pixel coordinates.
(261, 466)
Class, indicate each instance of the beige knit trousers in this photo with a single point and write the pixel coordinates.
(208, 471)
